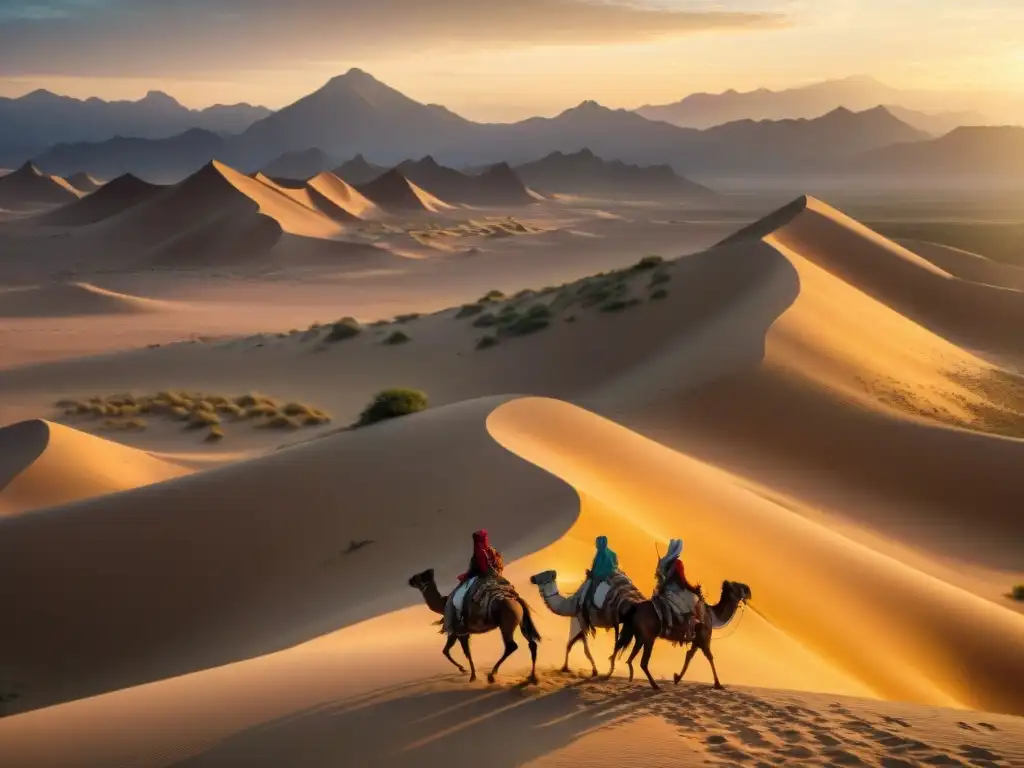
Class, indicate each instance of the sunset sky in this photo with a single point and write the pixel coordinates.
(502, 60)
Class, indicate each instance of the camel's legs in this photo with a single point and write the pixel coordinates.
(590, 657)
(690, 652)
(533, 660)
(575, 635)
(706, 647)
(464, 641)
(629, 662)
(646, 659)
(447, 651)
(510, 648)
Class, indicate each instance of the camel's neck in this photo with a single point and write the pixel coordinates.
(433, 598)
(559, 604)
(725, 608)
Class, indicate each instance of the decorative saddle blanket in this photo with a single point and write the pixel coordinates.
(674, 606)
(473, 600)
(609, 597)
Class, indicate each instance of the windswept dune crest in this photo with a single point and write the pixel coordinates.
(979, 316)
(84, 183)
(72, 300)
(28, 188)
(345, 196)
(969, 266)
(392, 191)
(112, 198)
(309, 197)
(256, 556)
(43, 464)
(814, 584)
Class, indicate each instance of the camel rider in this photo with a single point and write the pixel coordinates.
(486, 561)
(605, 563)
(672, 576)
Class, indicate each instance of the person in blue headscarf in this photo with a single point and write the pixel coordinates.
(605, 563)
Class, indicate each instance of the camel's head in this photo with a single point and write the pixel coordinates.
(421, 580)
(540, 579)
(741, 592)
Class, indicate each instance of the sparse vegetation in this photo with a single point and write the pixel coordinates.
(380, 323)
(346, 328)
(659, 294)
(486, 342)
(407, 318)
(617, 305)
(492, 296)
(469, 310)
(647, 262)
(660, 278)
(198, 411)
(215, 434)
(392, 403)
(486, 320)
(396, 338)
(1017, 593)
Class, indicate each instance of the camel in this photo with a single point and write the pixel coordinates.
(643, 622)
(620, 599)
(505, 615)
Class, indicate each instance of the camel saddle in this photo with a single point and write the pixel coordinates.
(675, 606)
(479, 599)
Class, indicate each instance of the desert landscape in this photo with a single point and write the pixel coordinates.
(260, 368)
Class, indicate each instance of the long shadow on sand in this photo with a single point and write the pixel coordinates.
(447, 722)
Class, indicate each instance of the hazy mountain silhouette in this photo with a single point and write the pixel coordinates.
(584, 172)
(304, 164)
(358, 170)
(355, 113)
(498, 185)
(155, 160)
(352, 113)
(31, 123)
(858, 93)
(980, 151)
(937, 123)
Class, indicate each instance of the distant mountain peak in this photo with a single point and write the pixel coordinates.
(159, 97)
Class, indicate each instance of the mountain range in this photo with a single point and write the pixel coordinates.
(918, 109)
(357, 114)
(31, 123)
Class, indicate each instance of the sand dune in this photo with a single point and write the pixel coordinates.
(309, 197)
(345, 196)
(969, 313)
(219, 572)
(84, 183)
(71, 300)
(44, 464)
(112, 198)
(392, 191)
(28, 188)
(969, 266)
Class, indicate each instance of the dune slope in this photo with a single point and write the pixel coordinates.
(119, 195)
(43, 464)
(72, 300)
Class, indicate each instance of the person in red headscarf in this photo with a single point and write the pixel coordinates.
(485, 558)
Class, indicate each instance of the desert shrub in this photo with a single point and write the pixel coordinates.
(486, 342)
(525, 294)
(492, 296)
(508, 309)
(230, 409)
(397, 337)
(1017, 593)
(570, 318)
(346, 328)
(260, 410)
(315, 418)
(380, 323)
(73, 407)
(180, 413)
(660, 278)
(130, 411)
(469, 310)
(408, 318)
(295, 409)
(205, 405)
(617, 305)
(527, 324)
(392, 403)
(251, 399)
(647, 262)
(135, 425)
(486, 320)
(200, 419)
(280, 421)
(215, 434)
(661, 293)
(172, 398)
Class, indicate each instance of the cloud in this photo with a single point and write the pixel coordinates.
(190, 38)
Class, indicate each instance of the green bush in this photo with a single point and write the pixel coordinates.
(521, 326)
(346, 328)
(397, 337)
(661, 293)
(660, 278)
(617, 305)
(486, 342)
(492, 296)
(392, 403)
(486, 320)
(469, 310)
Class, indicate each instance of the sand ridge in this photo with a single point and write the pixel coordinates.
(73, 300)
(44, 464)
(110, 199)
(28, 188)
(392, 191)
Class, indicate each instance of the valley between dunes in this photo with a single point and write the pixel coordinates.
(814, 409)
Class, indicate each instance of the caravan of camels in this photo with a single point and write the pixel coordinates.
(677, 611)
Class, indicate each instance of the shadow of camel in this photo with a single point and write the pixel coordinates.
(441, 721)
